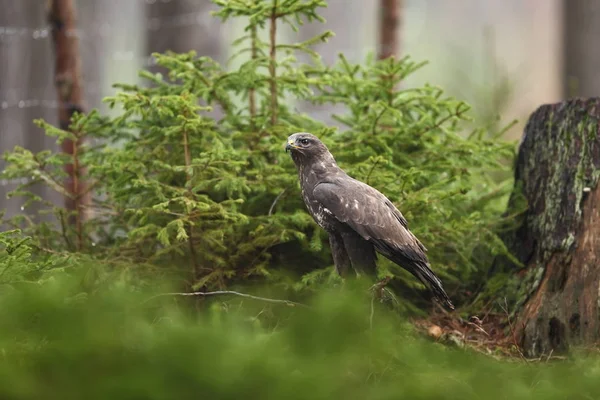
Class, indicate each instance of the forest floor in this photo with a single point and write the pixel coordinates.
(493, 334)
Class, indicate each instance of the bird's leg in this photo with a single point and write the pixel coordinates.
(361, 253)
(340, 255)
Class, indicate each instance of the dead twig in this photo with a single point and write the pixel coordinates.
(478, 324)
(512, 330)
(275, 202)
(230, 292)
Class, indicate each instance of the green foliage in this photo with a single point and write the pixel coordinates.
(15, 254)
(19, 263)
(191, 182)
(61, 342)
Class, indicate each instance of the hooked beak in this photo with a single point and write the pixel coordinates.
(290, 145)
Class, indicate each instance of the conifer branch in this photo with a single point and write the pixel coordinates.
(54, 184)
(272, 62)
(220, 100)
(254, 55)
(275, 202)
(63, 226)
(230, 292)
(186, 154)
(78, 194)
(456, 114)
(190, 229)
(377, 160)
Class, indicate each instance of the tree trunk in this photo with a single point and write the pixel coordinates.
(339, 14)
(181, 26)
(67, 78)
(558, 240)
(389, 21)
(24, 79)
(581, 62)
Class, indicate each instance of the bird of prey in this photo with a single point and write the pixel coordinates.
(359, 219)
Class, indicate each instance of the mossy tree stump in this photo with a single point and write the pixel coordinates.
(558, 239)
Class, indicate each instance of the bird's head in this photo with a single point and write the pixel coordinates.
(306, 146)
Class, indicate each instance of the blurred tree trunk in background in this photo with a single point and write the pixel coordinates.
(389, 23)
(558, 238)
(27, 89)
(354, 43)
(581, 52)
(111, 46)
(26, 76)
(67, 78)
(182, 26)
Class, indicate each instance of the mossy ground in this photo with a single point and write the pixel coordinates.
(59, 342)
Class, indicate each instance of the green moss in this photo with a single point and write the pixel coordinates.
(559, 165)
(118, 343)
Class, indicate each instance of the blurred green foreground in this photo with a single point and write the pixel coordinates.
(59, 340)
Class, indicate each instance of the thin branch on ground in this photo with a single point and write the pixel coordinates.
(477, 324)
(512, 330)
(231, 292)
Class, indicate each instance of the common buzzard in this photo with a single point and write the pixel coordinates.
(358, 218)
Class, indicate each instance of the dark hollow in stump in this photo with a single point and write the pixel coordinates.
(558, 240)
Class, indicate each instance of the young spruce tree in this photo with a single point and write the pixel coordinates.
(211, 201)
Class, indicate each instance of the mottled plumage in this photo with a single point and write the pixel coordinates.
(359, 219)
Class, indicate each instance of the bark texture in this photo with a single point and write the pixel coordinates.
(67, 78)
(581, 62)
(389, 22)
(181, 26)
(558, 240)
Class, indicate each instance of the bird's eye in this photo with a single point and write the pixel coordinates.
(304, 141)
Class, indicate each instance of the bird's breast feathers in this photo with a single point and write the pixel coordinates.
(321, 214)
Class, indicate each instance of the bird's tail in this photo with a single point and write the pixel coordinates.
(422, 271)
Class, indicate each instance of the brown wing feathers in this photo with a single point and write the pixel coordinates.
(374, 217)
